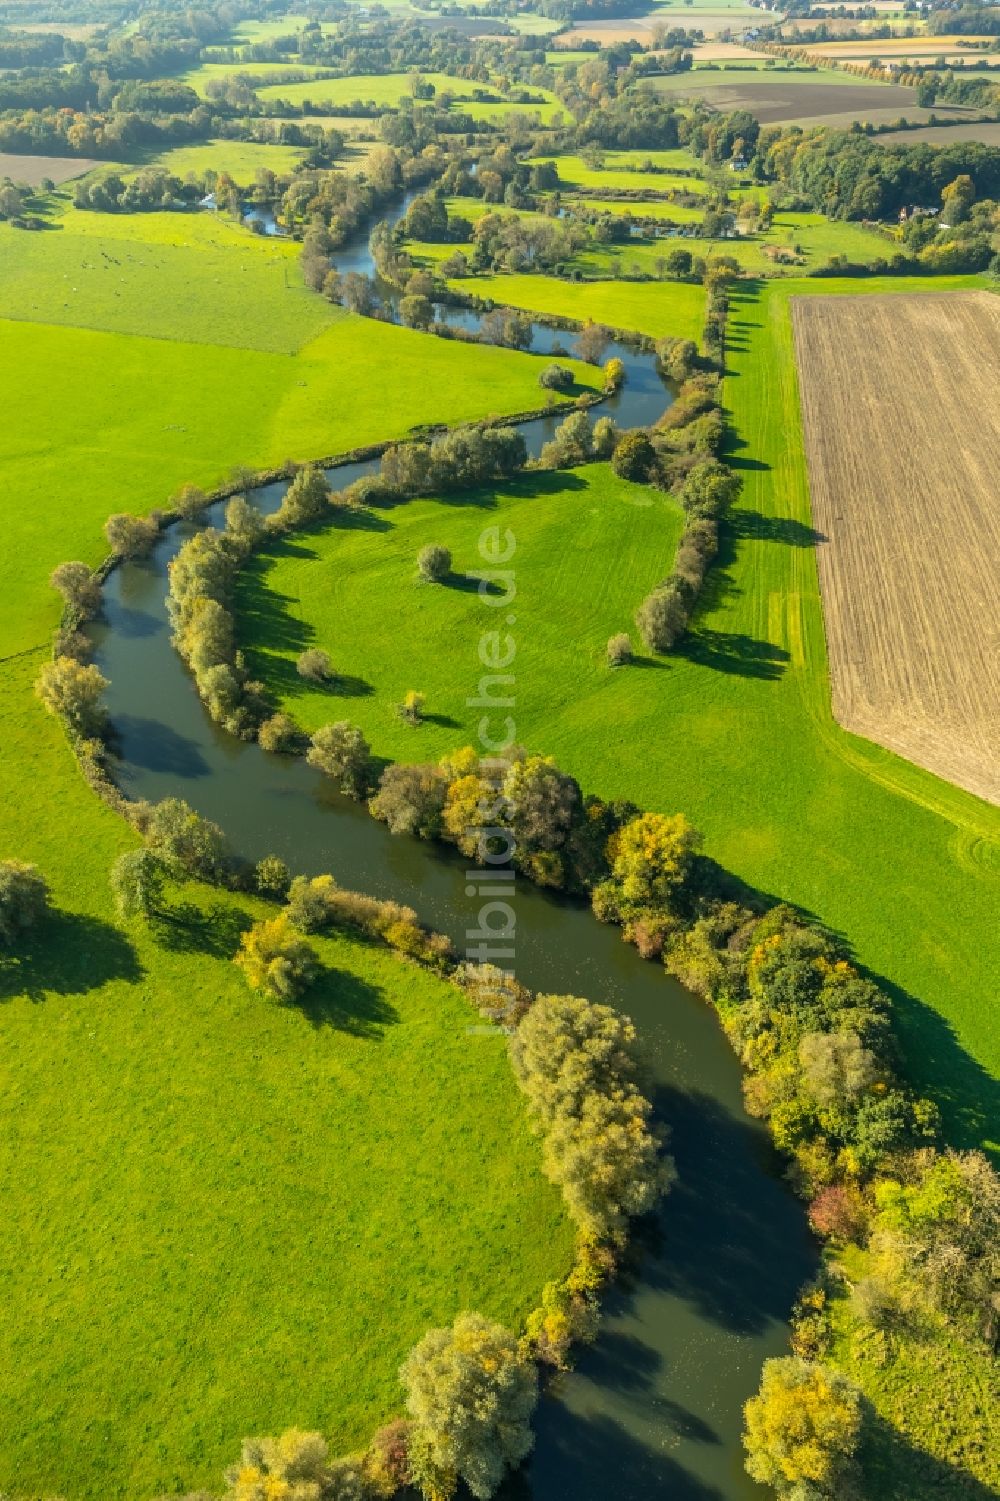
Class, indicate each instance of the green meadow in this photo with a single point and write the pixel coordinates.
(241, 159)
(658, 309)
(306, 591)
(385, 90)
(223, 1229)
(627, 170)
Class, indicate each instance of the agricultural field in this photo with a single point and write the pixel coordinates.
(33, 170)
(774, 99)
(903, 451)
(809, 239)
(207, 73)
(711, 17)
(942, 135)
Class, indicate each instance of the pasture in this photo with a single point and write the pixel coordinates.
(645, 171)
(903, 444)
(242, 1214)
(240, 159)
(33, 170)
(385, 91)
(655, 308)
(588, 547)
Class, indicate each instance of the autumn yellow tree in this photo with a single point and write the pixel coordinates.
(802, 1428)
(275, 959)
(650, 857)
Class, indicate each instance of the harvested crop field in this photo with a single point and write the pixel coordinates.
(772, 101)
(902, 437)
(34, 169)
(986, 131)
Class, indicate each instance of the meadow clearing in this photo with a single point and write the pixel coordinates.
(240, 159)
(384, 90)
(903, 448)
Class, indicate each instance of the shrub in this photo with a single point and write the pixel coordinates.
(434, 562)
(130, 536)
(591, 342)
(78, 586)
(314, 664)
(278, 733)
(802, 1429)
(411, 710)
(677, 358)
(275, 960)
(386, 1465)
(310, 902)
(604, 437)
(565, 1318)
(614, 376)
(470, 1395)
(572, 443)
(410, 800)
(136, 880)
(186, 842)
(619, 650)
(73, 691)
(341, 751)
(662, 617)
(634, 456)
(24, 899)
(556, 378)
(189, 501)
(295, 1466)
(494, 992)
(839, 1211)
(271, 876)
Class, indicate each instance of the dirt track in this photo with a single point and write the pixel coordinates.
(902, 432)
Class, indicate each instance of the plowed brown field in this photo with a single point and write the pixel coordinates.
(902, 428)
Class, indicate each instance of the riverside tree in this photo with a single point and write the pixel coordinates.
(73, 691)
(802, 1429)
(470, 1394)
(130, 536)
(341, 751)
(137, 879)
(79, 587)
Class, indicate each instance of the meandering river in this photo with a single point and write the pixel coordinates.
(654, 1409)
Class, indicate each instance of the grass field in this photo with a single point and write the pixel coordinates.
(260, 72)
(588, 546)
(736, 728)
(241, 159)
(944, 135)
(246, 293)
(680, 172)
(229, 1211)
(385, 90)
(657, 309)
(242, 1215)
(905, 500)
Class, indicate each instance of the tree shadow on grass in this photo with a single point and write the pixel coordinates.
(733, 652)
(186, 928)
(347, 1003)
(896, 1470)
(67, 954)
(756, 527)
